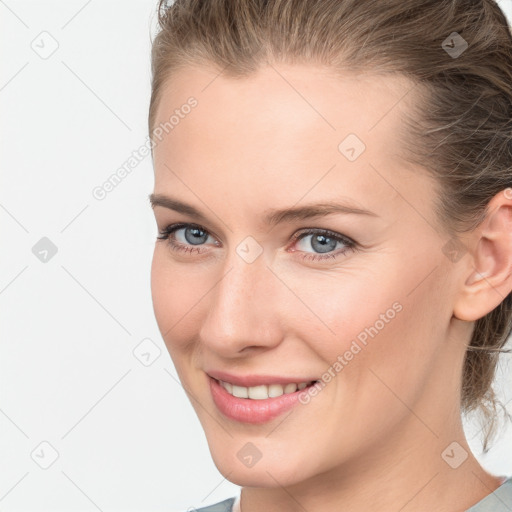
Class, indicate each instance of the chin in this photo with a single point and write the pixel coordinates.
(261, 476)
(275, 471)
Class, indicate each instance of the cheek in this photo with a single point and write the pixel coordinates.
(391, 326)
(343, 309)
(173, 296)
(387, 339)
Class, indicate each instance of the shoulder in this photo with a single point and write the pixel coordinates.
(498, 501)
(221, 506)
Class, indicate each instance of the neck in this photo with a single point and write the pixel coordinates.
(408, 473)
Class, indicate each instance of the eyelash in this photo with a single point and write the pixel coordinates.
(350, 245)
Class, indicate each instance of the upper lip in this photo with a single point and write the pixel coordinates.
(256, 380)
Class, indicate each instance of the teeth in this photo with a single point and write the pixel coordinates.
(290, 388)
(258, 392)
(264, 391)
(240, 392)
(275, 390)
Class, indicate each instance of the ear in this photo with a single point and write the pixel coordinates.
(488, 276)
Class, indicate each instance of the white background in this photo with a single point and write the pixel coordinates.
(126, 436)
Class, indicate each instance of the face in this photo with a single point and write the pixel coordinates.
(357, 300)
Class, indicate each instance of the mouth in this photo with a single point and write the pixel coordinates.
(256, 404)
(264, 391)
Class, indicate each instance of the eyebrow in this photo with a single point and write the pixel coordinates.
(272, 216)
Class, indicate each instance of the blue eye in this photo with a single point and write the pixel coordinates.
(323, 241)
(194, 234)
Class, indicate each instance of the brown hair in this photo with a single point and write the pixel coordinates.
(461, 127)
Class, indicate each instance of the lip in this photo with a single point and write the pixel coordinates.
(248, 381)
(246, 410)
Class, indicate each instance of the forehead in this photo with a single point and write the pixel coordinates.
(297, 97)
(283, 133)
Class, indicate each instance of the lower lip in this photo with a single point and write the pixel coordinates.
(248, 410)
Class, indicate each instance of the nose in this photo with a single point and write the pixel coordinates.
(243, 309)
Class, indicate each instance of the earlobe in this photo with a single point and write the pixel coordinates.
(489, 278)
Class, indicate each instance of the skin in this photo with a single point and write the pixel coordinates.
(374, 436)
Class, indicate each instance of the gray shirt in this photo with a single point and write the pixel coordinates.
(498, 501)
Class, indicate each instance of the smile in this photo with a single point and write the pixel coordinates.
(263, 391)
(258, 403)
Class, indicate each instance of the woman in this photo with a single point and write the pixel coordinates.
(333, 271)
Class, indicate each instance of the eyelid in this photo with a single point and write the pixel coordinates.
(350, 244)
(322, 231)
(176, 226)
(295, 236)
